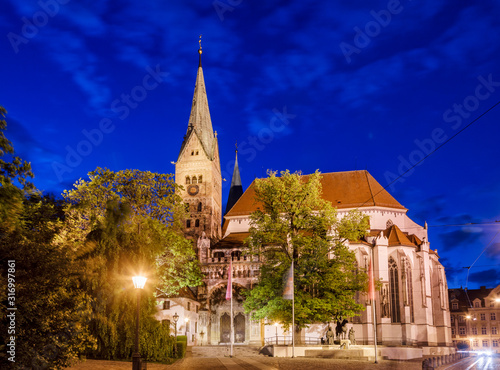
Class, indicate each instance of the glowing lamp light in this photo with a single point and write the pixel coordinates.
(186, 319)
(139, 281)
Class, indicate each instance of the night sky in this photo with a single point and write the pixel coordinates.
(300, 85)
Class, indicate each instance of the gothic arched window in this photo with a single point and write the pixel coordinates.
(188, 180)
(188, 223)
(409, 288)
(200, 179)
(194, 180)
(394, 291)
(197, 223)
(199, 207)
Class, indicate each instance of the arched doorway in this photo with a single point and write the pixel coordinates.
(239, 328)
(225, 328)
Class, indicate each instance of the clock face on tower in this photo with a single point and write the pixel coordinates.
(193, 189)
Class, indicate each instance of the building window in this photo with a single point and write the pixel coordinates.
(461, 318)
(199, 207)
(452, 331)
(188, 180)
(485, 343)
(196, 152)
(197, 223)
(394, 290)
(483, 316)
(188, 223)
(166, 305)
(454, 306)
(461, 330)
(494, 330)
(493, 316)
(197, 308)
(494, 343)
(475, 343)
(474, 331)
(194, 181)
(200, 179)
(483, 330)
(192, 152)
(189, 306)
(477, 304)
(196, 327)
(452, 318)
(409, 286)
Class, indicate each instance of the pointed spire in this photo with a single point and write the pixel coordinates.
(199, 52)
(236, 190)
(199, 119)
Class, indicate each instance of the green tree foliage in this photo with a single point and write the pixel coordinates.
(49, 328)
(126, 224)
(13, 171)
(52, 307)
(294, 221)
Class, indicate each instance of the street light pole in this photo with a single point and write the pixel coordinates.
(276, 326)
(139, 282)
(176, 317)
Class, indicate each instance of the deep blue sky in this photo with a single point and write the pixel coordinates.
(301, 85)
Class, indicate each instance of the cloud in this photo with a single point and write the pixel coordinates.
(490, 278)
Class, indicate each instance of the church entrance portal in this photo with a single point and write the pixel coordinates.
(239, 328)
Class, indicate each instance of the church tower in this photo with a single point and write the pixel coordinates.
(197, 168)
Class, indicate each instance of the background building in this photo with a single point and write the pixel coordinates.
(475, 318)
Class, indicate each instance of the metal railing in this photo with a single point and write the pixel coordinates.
(282, 340)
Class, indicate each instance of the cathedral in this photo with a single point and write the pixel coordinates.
(411, 307)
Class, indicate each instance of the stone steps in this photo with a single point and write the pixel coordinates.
(224, 350)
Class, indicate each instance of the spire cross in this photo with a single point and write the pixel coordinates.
(199, 52)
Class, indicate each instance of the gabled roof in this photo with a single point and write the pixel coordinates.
(350, 189)
(233, 240)
(395, 236)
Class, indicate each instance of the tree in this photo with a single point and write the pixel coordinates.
(293, 221)
(156, 214)
(13, 171)
(128, 223)
(47, 325)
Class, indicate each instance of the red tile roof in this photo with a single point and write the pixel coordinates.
(350, 189)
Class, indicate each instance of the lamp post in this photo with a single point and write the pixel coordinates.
(176, 318)
(139, 282)
(276, 326)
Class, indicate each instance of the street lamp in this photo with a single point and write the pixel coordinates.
(276, 326)
(139, 282)
(176, 318)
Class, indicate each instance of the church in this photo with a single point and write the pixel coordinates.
(411, 307)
